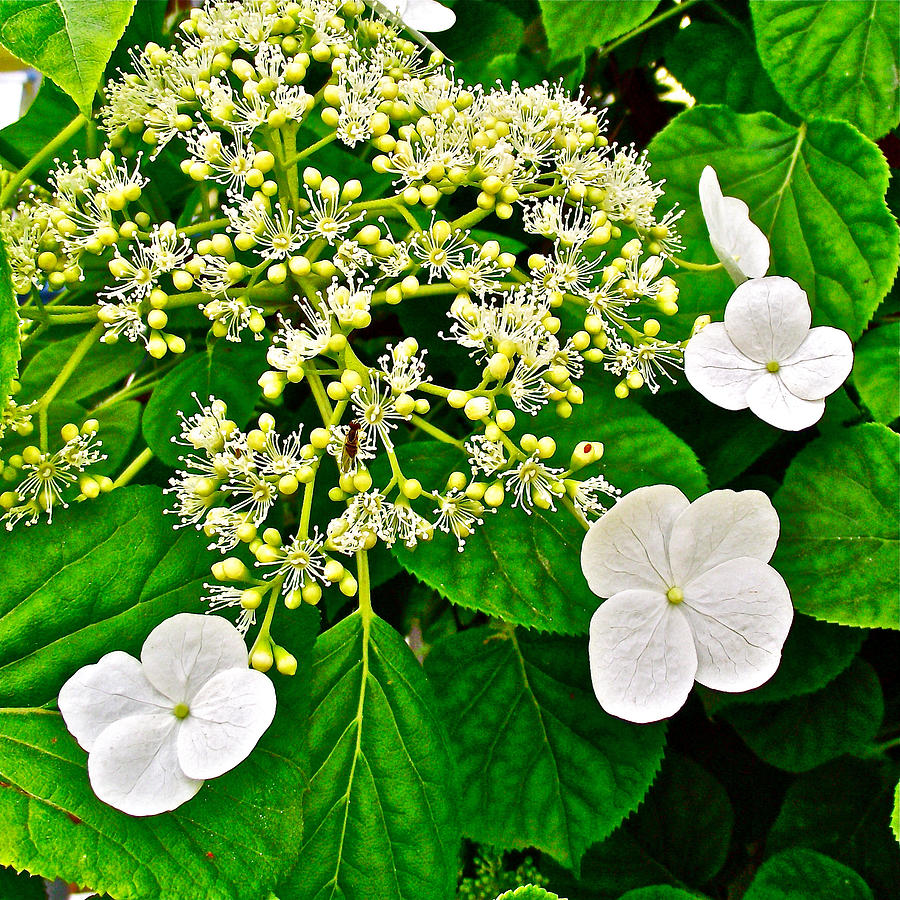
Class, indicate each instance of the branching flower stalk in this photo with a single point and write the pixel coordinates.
(274, 245)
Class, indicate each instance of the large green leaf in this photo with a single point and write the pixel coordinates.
(381, 810)
(541, 764)
(680, 834)
(100, 578)
(842, 809)
(839, 542)
(525, 569)
(876, 371)
(575, 25)
(717, 63)
(660, 892)
(104, 364)
(231, 842)
(70, 41)
(227, 371)
(804, 732)
(10, 348)
(817, 191)
(806, 875)
(815, 654)
(838, 60)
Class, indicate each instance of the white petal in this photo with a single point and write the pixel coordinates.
(740, 613)
(181, 654)
(770, 399)
(820, 365)
(134, 766)
(768, 318)
(720, 526)
(428, 15)
(642, 656)
(228, 715)
(113, 688)
(628, 546)
(717, 369)
(740, 245)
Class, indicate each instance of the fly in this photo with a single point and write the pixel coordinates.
(351, 446)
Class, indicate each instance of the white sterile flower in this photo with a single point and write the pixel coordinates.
(423, 15)
(765, 356)
(154, 729)
(690, 598)
(741, 246)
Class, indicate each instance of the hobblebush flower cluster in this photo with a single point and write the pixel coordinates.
(278, 250)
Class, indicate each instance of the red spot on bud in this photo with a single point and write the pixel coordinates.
(210, 854)
(586, 448)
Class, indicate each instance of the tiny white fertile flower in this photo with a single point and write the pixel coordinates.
(423, 15)
(154, 729)
(691, 598)
(765, 356)
(741, 246)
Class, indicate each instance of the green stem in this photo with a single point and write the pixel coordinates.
(312, 148)
(365, 598)
(695, 267)
(436, 432)
(134, 467)
(46, 151)
(78, 354)
(676, 10)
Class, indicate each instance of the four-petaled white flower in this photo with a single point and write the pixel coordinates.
(154, 729)
(765, 356)
(422, 15)
(741, 246)
(691, 598)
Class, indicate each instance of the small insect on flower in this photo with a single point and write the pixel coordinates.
(351, 446)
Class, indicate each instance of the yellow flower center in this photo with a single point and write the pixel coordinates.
(181, 710)
(675, 595)
(772, 367)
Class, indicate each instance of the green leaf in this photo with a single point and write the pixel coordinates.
(528, 892)
(70, 41)
(841, 809)
(119, 426)
(223, 372)
(681, 832)
(806, 875)
(719, 64)
(838, 549)
(576, 25)
(230, 842)
(381, 810)
(685, 821)
(834, 60)
(876, 371)
(541, 764)
(525, 569)
(817, 191)
(804, 732)
(10, 348)
(726, 443)
(815, 654)
(104, 365)
(660, 892)
(105, 573)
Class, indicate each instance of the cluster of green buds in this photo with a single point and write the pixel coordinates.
(272, 246)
